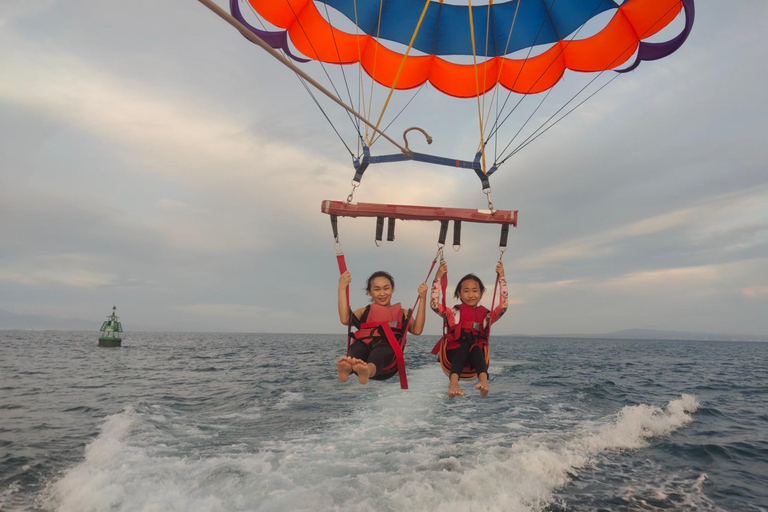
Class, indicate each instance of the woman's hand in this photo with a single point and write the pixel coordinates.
(442, 270)
(345, 279)
(423, 291)
(500, 269)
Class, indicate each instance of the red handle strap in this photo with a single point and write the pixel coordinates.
(343, 268)
(493, 306)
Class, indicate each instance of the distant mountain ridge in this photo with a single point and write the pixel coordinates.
(15, 321)
(11, 321)
(655, 334)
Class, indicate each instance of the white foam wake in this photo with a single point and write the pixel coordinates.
(393, 454)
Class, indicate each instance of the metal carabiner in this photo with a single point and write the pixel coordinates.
(355, 184)
(487, 192)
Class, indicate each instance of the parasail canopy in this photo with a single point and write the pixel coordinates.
(521, 47)
(426, 34)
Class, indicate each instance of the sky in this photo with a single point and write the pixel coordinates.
(153, 159)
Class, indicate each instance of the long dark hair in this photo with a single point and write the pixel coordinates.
(378, 273)
(467, 278)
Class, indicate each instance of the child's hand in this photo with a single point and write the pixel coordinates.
(442, 270)
(345, 279)
(500, 269)
(423, 290)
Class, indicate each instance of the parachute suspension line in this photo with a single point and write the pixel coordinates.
(401, 111)
(341, 66)
(330, 80)
(554, 59)
(483, 119)
(498, 80)
(255, 39)
(373, 76)
(360, 96)
(529, 119)
(535, 135)
(311, 94)
(539, 132)
(477, 82)
(402, 62)
(496, 124)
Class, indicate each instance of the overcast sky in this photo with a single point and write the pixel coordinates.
(153, 159)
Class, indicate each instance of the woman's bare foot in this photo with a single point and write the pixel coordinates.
(344, 367)
(483, 385)
(453, 387)
(362, 369)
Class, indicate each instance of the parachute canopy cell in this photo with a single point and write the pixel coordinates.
(404, 43)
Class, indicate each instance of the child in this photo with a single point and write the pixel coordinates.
(371, 355)
(468, 326)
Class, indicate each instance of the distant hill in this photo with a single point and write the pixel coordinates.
(10, 320)
(653, 334)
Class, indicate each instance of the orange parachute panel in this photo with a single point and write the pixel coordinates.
(313, 36)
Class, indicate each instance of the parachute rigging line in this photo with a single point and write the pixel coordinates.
(343, 74)
(544, 72)
(210, 4)
(307, 88)
(477, 80)
(401, 110)
(539, 132)
(498, 78)
(375, 62)
(338, 95)
(402, 62)
(535, 136)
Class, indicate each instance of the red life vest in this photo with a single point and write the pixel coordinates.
(384, 324)
(471, 323)
(372, 319)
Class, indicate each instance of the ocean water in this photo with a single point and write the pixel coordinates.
(258, 422)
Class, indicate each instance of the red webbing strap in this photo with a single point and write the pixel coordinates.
(343, 268)
(493, 306)
(418, 297)
(397, 349)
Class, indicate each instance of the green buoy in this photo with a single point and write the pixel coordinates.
(111, 330)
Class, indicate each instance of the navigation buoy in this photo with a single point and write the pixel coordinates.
(111, 330)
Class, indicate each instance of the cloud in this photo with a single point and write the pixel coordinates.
(703, 223)
(755, 292)
(171, 204)
(57, 270)
(635, 282)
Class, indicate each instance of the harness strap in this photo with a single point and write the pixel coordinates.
(475, 326)
(398, 350)
(493, 305)
(443, 288)
(410, 313)
(370, 325)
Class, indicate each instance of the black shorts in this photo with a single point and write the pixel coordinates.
(377, 352)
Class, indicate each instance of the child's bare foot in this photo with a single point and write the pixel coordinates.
(454, 390)
(360, 367)
(482, 385)
(344, 367)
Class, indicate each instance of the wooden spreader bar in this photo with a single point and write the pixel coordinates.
(405, 212)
